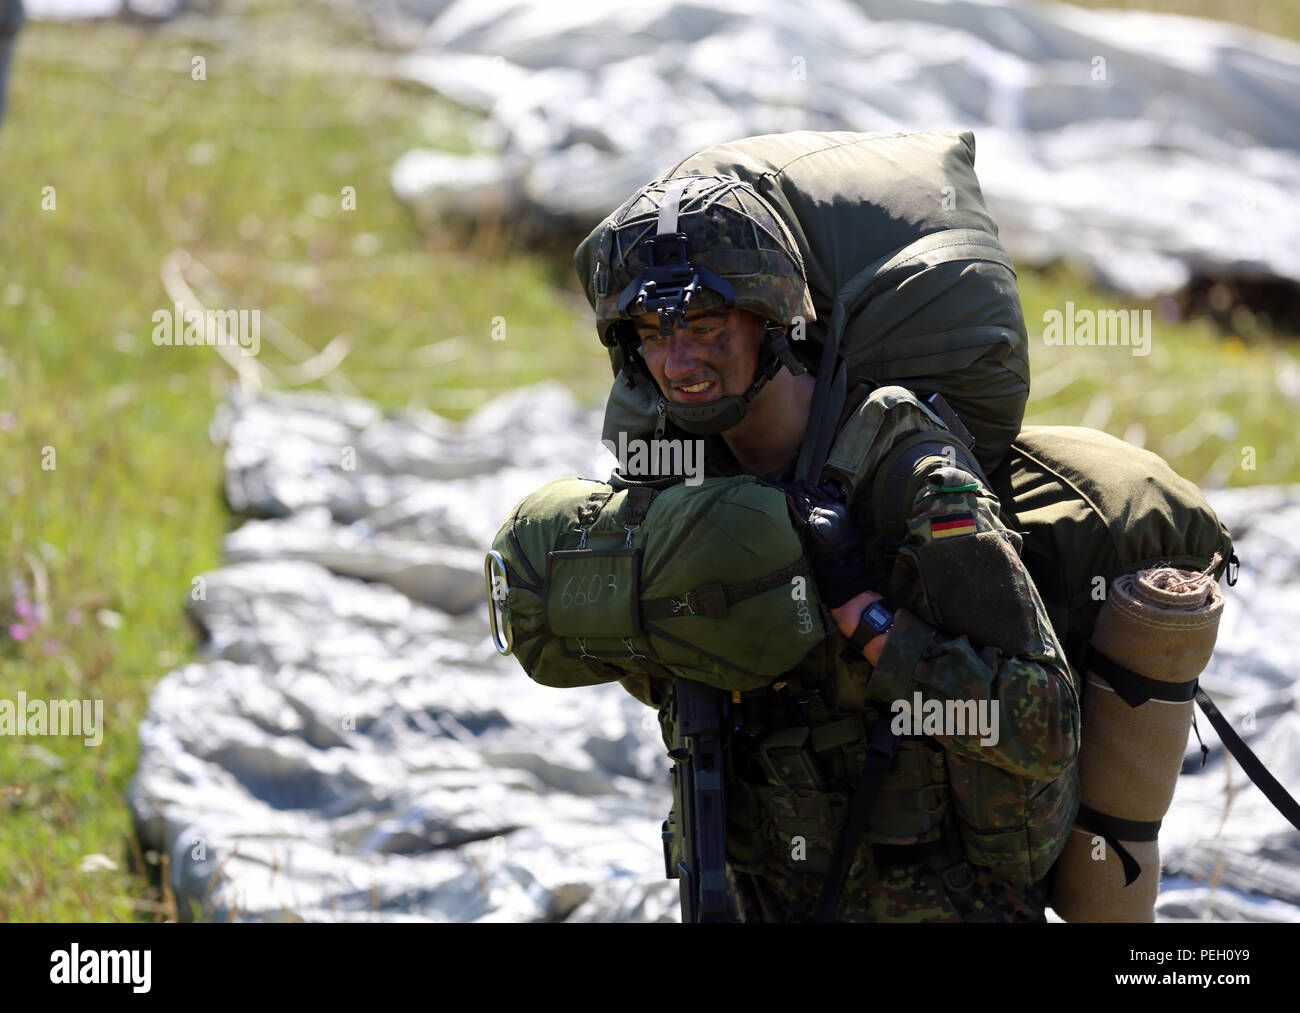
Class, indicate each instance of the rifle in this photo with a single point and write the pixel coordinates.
(702, 717)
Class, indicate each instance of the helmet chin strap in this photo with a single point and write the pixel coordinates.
(712, 417)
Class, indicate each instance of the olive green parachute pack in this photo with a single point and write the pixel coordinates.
(908, 279)
(597, 584)
(911, 289)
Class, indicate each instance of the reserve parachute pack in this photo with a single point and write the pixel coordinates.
(591, 583)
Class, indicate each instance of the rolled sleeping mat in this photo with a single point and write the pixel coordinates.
(1153, 638)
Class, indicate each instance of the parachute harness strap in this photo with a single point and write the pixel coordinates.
(589, 512)
(635, 508)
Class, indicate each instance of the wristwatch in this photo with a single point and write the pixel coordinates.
(877, 618)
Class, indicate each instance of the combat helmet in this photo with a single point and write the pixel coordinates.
(693, 242)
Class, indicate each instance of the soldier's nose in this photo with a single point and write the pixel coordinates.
(682, 359)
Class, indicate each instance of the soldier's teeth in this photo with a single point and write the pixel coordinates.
(695, 388)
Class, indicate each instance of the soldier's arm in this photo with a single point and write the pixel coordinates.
(976, 630)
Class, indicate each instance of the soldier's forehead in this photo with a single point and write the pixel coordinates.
(652, 319)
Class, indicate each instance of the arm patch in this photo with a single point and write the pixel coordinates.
(975, 586)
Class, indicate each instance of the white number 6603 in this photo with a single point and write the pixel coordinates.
(589, 590)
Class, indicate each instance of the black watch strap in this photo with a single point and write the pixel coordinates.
(866, 631)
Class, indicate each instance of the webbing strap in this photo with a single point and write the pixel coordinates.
(639, 498)
(522, 556)
(1134, 684)
(747, 589)
(668, 209)
(820, 437)
(715, 600)
(1112, 830)
(879, 752)
(818, 418)
(1134, 689)
(1250, 763)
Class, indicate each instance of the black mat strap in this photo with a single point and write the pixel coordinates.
(1134, 689)
(1250, 763)
(1112, 830)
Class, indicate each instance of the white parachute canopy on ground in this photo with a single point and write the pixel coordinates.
(353, 748)
(1148, 146)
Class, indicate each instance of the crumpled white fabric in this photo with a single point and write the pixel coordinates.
(1146, 146)
(352, 750)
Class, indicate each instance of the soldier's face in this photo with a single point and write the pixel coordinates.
(714, 355)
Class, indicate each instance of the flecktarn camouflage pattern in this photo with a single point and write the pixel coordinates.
(730, 230)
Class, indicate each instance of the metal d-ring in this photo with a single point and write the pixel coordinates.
(498, 588)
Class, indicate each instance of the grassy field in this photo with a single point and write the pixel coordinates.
(116, 158)
(1276, 18)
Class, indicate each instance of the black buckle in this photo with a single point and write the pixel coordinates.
(667, 249)
(780, 347)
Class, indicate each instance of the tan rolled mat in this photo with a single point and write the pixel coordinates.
(1153, 638)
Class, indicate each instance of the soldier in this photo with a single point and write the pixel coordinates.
(967, 808)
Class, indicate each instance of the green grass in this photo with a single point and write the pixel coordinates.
(243, 171)
(1277, 17)
(1221, 408)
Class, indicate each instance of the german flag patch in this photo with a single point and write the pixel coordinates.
(951, 525)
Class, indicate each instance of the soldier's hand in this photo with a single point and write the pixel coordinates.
(834, 545)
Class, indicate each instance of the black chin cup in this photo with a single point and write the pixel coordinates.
(709, 418)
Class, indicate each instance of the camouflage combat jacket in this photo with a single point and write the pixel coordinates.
(983, 787)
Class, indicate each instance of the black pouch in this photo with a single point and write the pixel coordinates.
(788, 761)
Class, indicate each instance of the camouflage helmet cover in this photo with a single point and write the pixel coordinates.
(731, 230)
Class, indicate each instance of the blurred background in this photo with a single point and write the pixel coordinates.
(389, 182)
